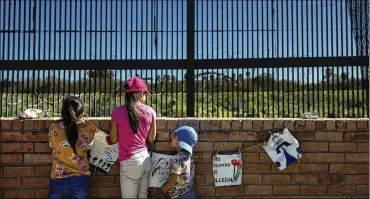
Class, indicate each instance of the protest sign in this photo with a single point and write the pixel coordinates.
(160, 169)
(103, 153)
(227, 169)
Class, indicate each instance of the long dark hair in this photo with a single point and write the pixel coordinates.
(71, 110)
(133, 112)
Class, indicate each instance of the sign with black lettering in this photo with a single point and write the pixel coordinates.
(227, 169)
(103, 153)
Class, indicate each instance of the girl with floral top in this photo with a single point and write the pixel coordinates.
(69, 138)
(181, 182)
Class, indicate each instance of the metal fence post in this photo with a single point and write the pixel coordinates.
(190, 59)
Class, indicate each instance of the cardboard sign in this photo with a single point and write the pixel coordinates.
(227, 169)
(160, 169)
(103, 153)
(283, 149)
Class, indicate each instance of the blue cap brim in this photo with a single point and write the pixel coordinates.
(186, 147)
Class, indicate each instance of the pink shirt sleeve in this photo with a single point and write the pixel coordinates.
(115, 115)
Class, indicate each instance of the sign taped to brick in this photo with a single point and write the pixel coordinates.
(283, 149)
(227, 169)
(103, 153)
(160, 169)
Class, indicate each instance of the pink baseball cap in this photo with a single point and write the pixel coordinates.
(136, 84)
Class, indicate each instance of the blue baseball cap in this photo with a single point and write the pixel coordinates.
(187, 138)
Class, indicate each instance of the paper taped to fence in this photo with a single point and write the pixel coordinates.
(161, 170)
(103, 153)
(227, 169)
(283, 149)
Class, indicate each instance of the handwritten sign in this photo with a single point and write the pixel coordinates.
(160, 169)
(103, 153)
(283, 149)
(227, 169)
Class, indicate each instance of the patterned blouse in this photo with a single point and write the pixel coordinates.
(66, 163)
(183, 165)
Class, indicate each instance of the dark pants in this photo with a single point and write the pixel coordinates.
(190, 194)
(73, 187)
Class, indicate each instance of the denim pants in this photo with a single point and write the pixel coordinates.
(72, 187)
(190, 194)
(134, 175)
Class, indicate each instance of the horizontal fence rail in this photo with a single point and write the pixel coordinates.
(202, 58)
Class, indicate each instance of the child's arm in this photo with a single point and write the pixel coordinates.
(113, 132)
(152, 133)
(170, 183)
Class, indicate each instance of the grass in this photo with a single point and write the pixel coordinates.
(333, 104)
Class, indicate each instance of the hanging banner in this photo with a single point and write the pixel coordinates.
(283, 149)
(161, 170)
(227, 169)
(103, 153)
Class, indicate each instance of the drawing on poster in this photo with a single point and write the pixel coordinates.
(283, 149)
(160, 169)
(227, 169)
(103, 153)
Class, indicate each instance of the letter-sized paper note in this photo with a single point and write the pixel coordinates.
(161, 170)
(283, 149)
(103, 153)
(227, 169)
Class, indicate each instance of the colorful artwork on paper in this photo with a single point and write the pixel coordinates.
(283, 149)
(227, 169)
(103, 153)
(161, 170)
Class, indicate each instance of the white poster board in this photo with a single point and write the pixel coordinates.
(103, 154)
(283, 149)
(160, 169)
(227, 169)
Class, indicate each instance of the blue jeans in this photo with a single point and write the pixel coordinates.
(73, 187)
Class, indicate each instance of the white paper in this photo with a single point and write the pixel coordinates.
(283, 149)
(160, 169)
(102, 154)
(227, 169)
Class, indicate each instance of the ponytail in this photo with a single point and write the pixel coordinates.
(71, 110)
(132, 100)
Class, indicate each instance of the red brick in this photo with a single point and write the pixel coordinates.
(278, 124)
(356, 136)
(343, 147)
(330, 124)
(205, 190)
(35, 182)
(17, 124)
(299, 124)
(250, 157)
(252, 178)
(35, 136)
(163, 136)
(5, 124)
(228, 146)
(10, 158)
(109, 192)
(42, 170)
(320, 124)
(203, 168)
(234, 190)
(330, 178)
(341, 124)
(330, 157)
(38, 158)
(286, 190)
(103, 180)
(363, 147)
(312, 190)
(304, 178)
(332, 197)
(19, 193)
(351, 125)
(275, 178)
(310, 125)
(253, 147)
(28, 124)
(264, 157)
(313, 168)
(18, 171)
(289, 123)
(203, 147)
(41, 193)
(161, 124)
(363, 168)
(357, 157)
(43, 148)
(257, 124)
(303, 197)
(213, 136)
(314, 146)
(308, 157)
(363, 124)
(257, 168)
(357, 179)
(293, 168)
(362, 189)
(247, 124)
(343, 168)
(163, 146)
(339, 190)
(258, 189)
(39, 124)
(304, 136)
(329, 136)
(10, 182)
(17, 147)
(236, 124)
(11, 136)
(268, 124)
(199, 179)
(115, 169)
(225, 124)
(242, 136)
(171, 123)
(208, 179)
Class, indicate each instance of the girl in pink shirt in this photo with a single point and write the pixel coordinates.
(133, 126)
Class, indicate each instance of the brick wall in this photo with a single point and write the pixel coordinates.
(335, 158)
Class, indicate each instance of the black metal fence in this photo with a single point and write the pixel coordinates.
(203, 58)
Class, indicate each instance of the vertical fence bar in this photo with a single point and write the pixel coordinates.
(190, 58)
